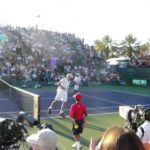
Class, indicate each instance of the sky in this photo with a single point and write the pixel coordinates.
(87, 19)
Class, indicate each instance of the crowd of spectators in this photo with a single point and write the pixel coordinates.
(140, 62)
(31, 54)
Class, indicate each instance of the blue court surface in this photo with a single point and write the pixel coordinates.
(97, 101)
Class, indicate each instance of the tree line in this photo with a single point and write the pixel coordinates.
(129, 47)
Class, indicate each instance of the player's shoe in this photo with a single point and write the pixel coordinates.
(75, 145)
(79, 146)
(62, 114)
(49, 111)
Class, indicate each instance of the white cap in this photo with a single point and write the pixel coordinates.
(45, 138)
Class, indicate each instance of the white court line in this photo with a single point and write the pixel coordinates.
(131, 93)
(9, 112)
(104, 99)
(14, 112)
(45, 98)
(4, 99)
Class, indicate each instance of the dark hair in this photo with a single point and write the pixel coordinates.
(117, 138)
(146, 114)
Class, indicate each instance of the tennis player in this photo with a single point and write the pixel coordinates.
(77, 82)
(62, 94)
(78, 114)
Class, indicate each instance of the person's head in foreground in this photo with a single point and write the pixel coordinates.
(44, 139)
(78, 97)
(117, 138)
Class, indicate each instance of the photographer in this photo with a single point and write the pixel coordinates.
(143, 131)
(44, 139)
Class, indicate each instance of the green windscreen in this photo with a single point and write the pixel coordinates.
(139, 82)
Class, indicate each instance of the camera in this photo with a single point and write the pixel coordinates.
(28, 119)
(13, 131)
(133, 115)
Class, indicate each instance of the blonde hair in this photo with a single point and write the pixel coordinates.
(117, 138)
(69, 75)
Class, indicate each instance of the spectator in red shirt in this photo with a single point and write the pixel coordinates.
(78, 114)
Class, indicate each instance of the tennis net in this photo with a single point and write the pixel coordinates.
(24, 100)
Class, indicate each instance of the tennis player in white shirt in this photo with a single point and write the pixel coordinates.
(62, 94)
(77, 82)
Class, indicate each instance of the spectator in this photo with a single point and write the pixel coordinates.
(44, 139)
(144, 129)
(78, 114)
(62, 94)
(117, 138)
(33, 54)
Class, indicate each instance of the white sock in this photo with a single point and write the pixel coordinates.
(61, 111)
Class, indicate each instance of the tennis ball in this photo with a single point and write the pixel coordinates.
(76, 126)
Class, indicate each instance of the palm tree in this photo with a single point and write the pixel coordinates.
(130, 46)
(145, 47)
(104, 46)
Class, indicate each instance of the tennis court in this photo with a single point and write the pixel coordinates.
(98, 99)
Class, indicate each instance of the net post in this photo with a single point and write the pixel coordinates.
(36, 109)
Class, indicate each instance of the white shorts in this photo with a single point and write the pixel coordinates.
(76, 87)
(61, 95)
